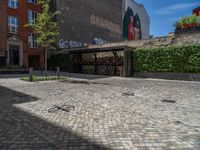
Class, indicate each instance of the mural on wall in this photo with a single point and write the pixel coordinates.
(131, 26)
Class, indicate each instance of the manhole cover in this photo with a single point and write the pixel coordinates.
(96, 119)
(84, 82)
(178, 122)
(128, 94)
(66, 108)
(168, 101)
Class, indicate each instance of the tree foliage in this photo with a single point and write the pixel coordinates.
(45, 26)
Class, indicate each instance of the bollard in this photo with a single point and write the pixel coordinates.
(30, 74)
(58, 72)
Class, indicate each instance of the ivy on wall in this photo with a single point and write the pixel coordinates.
(184, 59)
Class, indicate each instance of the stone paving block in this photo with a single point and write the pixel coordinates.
(103, 118)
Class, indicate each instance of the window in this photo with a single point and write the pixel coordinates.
(31, 17)
(32, 40)
(13, 24)
(32, 1)
(13, 4)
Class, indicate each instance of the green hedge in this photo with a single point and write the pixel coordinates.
(167, 59)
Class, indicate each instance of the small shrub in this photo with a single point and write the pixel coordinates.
(49, 78)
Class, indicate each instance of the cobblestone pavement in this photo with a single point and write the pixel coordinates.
(109, 113)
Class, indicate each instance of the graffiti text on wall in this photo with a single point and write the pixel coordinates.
(98, 41)
(70, 44)
(104, 23)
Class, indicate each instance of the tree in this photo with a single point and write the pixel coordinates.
(46, 28)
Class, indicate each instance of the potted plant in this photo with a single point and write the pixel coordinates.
(192, 21)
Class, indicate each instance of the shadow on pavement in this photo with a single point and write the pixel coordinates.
(4, 76)
(20, 129)
(53, 73)
(87, 76)
(72, 75)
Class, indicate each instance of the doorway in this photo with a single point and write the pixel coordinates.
(14, 55)
(34, 61)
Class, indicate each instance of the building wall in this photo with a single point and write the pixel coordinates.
(89, 21)
(141, 21)
(196, 11)
(176, 40)
(97, 21)
(24, 33)
(22, 14)
(3, 27)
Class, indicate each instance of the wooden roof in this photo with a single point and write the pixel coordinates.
(90, 50)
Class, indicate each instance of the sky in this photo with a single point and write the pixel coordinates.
(164, 13)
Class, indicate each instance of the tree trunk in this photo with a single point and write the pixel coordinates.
(46, 63)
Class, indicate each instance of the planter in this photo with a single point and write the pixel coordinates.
(168, 75)
(189, 30)
(191, 25)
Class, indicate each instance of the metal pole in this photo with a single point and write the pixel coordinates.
(58, 72)
(30, 74)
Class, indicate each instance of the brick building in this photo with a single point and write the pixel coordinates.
(196, 11)
(18, 44)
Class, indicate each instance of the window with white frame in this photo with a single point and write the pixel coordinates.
(13, 24)
(13, 4)
(32, 40)
(32, 1)
(32, 16)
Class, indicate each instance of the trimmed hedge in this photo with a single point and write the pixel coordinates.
(183, 59)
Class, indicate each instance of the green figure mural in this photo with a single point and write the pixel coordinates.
(131, 26)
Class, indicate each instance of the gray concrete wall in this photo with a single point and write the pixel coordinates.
(168, 75)
(179, 39)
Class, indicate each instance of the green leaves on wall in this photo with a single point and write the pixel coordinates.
(167, 59)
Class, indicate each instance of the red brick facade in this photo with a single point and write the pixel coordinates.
(22, 14)
(3, 27)
(197, 11)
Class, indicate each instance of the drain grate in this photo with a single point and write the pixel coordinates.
(66, 108)
(83, 82)
(96, 119)
(168, 101)
(128, 94)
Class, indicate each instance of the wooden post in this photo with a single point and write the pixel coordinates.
(46, 55)
(115, 62)
(127, 64)
(58, 72)
(30, 74)
(95, 62)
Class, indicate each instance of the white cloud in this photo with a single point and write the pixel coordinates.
(174, 19)
(176, 8)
